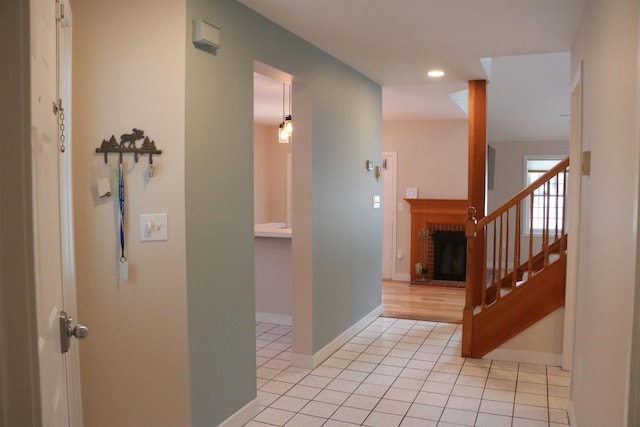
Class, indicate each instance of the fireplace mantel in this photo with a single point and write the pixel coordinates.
(432, 211)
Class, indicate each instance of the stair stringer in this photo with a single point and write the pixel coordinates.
(541, 295)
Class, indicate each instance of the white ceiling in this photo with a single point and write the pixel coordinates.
(394, 42)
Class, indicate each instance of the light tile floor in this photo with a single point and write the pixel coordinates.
(400, 372)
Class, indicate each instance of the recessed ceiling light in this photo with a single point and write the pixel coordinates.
(435, 73)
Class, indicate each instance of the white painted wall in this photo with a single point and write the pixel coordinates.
(509, 166)
(272, 256)
(129, 72)
(541, 343)
(273, 280)
(269, 175)
(433, 156)
(607, 45)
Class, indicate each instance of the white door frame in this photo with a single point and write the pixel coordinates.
(66, 216)
(634, 369)
(575, 198)
(391, 200)
(19, 373)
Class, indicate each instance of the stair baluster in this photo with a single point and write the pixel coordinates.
(515, 293)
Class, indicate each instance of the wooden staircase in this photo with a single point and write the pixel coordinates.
(514, 280)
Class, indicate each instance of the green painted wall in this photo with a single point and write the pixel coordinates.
(346, 130)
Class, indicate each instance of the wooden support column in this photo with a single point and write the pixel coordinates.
(477, 169)
(467, 313)
(477, 145)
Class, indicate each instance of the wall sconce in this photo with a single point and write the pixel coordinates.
(369, 166)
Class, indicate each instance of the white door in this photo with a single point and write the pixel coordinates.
(52, 252)
(389, 200)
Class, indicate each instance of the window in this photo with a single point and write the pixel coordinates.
(553, 203)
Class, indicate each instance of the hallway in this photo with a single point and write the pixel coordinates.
(399, 372)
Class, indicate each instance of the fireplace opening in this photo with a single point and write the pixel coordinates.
(450, 255)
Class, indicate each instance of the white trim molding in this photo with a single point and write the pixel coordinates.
(243, 415)
(401, 277)
(525, 356)
(572, 414)
(311, 362)
(278, 319)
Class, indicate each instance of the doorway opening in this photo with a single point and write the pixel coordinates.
(389, 214)
(272, 167)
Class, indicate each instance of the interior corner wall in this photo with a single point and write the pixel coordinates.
(432, 156)
(607, 44)
(340, 232)
(128, 71)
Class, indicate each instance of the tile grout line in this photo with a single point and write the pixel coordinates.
(398, 334)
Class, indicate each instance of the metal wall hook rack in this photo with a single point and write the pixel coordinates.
(127, 144)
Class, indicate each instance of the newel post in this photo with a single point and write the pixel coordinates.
(471, 279)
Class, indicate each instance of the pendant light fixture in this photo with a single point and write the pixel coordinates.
(283, 136)
(288, 124)
(286, 127)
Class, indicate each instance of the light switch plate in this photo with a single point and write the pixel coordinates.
(153, 227)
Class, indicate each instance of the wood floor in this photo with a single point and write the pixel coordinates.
(422, 302)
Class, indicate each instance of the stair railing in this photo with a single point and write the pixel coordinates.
(507, 247)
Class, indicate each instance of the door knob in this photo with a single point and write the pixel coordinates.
(79, 331)
(67, 331)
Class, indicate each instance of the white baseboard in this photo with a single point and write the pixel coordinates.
(401, 277)
(524, 356)
(311, 362)
(278, 319)
(572, 414)
(243, 416)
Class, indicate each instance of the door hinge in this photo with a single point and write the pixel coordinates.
(57, 107)
(59, 10)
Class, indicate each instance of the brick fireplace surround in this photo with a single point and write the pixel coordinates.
(430, 215)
